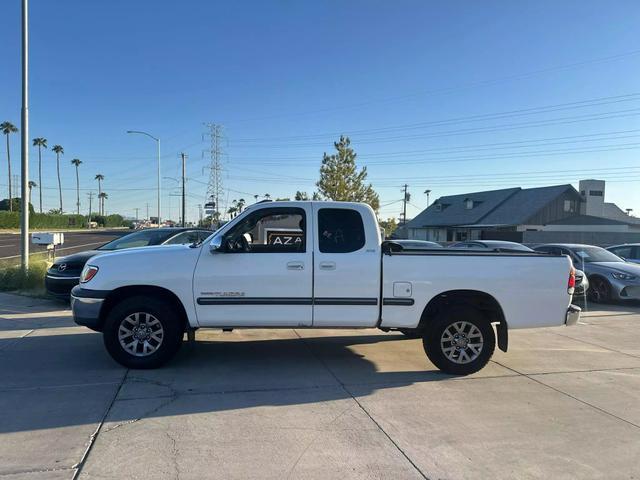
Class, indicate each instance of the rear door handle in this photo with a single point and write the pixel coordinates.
(327, 265)
(295, 266)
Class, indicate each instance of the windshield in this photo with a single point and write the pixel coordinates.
(143, 238)
(595, 254)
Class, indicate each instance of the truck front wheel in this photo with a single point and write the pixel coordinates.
(142, 332)
(459, 341)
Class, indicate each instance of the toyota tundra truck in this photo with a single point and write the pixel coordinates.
(320, 265)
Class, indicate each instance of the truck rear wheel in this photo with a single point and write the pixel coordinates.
(142, 332)
(459, 341)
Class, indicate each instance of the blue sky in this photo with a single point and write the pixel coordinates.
(451, 96)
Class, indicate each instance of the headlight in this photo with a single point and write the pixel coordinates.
(88, 272)
(623, 276)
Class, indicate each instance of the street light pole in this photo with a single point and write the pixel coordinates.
(24, 216)
(158, 142)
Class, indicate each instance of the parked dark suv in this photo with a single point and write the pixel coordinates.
(64, 274)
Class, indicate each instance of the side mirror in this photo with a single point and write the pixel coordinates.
(215, 246)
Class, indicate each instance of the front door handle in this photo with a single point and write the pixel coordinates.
(295, 266)
(327, 265)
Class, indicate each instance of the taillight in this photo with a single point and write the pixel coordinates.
(571, 284)
(88, 273)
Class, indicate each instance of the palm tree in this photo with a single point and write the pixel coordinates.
(58, 150)
(240, 205)
(41, 143)
(267, 196)
(100, 179)
(256, 196)
(31, 185)
(231, 211)
(102, 196)
(7, 128)
(77, 162)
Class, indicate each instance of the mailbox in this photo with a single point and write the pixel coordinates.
(51, 240)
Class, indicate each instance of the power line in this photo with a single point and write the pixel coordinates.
(465, 119)
(447, 90)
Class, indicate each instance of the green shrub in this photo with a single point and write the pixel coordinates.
(13, 278)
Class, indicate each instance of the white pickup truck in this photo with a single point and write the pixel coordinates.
(319, 265)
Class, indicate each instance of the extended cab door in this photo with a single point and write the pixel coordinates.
(262, 275)
(346, 266)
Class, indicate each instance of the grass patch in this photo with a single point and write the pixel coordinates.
(31, 282)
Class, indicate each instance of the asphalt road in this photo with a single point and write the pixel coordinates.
(563, 403)
(73, 242)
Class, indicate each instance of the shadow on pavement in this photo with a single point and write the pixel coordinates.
(53, 381)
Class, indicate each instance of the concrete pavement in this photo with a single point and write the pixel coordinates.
(563, 403)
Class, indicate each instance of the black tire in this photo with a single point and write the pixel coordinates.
(411, 332)
(150, 309)
(599, 290)
(467, 358)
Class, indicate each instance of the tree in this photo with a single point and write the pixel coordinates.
(41, 143)
(8, 128)
(340, 179)
(99, 177)
(267, 196)
(77, 162)
(103, 196)
(232, 211)
(31, 185)
(58, 151)
(301, 196)
(16, 205)
(389, 225)
(240, 205)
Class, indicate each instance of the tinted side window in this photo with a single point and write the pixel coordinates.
(185, 238)
(624, 252)
(272, 230)
(340, 230)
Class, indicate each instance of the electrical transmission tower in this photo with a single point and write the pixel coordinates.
(214, 187)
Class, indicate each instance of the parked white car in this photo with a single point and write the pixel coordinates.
(319, 265)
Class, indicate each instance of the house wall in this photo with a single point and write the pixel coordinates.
(556, 210)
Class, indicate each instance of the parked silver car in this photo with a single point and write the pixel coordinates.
(610, 277)
(629, 252)
(491, 245)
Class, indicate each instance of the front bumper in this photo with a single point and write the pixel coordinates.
(60, 286)
(572, 316)
(86, 305)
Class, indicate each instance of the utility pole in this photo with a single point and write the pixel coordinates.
(405, 199)
(136, 209)
(184, 205)
(90, 194)
(24, 215)
(149, 219)
(199, 215)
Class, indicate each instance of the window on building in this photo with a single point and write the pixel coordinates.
(340, 230)
(468, 203)
(569, 206)
(596, 193)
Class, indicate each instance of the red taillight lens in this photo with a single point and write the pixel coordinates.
(88, 273)
(571, 284)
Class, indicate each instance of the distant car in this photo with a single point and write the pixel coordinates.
(416, 244)
(629, 252)
(610, 277)
(491, 245)
(64, 274)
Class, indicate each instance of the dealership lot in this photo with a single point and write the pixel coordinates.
(562, 403)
